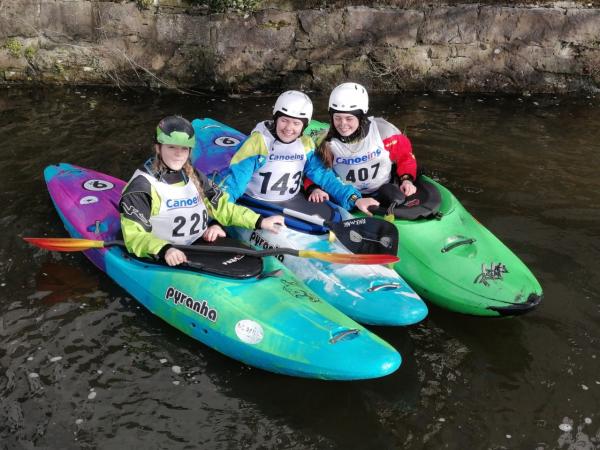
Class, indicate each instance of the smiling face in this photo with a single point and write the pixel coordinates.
(288, 129)
(345, 124)
(174, 156)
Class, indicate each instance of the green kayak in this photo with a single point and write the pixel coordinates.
(452, 260)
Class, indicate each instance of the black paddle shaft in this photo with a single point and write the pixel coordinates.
(225, 249)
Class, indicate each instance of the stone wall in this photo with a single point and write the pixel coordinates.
(461, 47)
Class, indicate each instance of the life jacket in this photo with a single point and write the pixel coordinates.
(365, 164)
(182, 217)
(280, 178)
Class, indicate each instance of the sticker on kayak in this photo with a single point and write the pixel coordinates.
(249, 331)
(97, 185)
(293, 288)
(200, 307)
(88, 200)
(491, 273)
(226, 141)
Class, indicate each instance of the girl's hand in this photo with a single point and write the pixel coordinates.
(363, 204)
(272, 223)
(408, 188)
(318, 196)
(174, 257)
(212, 233)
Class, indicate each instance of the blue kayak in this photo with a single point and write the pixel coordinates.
(374, 295)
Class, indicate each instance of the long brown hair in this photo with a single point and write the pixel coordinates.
(323, 151)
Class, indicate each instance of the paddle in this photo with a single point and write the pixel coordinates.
(360, 235)
(74, 245)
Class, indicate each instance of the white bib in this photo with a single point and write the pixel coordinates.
(182, 217)
(280, 178)
(365, 164)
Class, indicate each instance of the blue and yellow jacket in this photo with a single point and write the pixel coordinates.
(253, 154)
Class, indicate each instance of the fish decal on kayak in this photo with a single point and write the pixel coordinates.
(493, 272)
(199, 307)
(294, 288)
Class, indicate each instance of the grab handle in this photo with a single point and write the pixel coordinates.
(458, 243)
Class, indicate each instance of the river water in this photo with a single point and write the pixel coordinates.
(83, 366)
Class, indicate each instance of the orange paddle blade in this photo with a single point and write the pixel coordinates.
(65, 244)
(349, 258)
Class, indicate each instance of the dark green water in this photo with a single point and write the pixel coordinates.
(83, 366)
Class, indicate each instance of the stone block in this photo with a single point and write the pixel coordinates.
(184, 29)
(123, 19)
(582, 26)
(254, 32)
(20, 18)
(371, 26)
(320, 27)
(532, 26)
(450, 25)
(67, 20)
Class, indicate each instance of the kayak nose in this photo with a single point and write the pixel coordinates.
(390, 304)
(516, 309)
(359, 354)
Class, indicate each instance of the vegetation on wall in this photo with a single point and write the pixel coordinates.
(14, 47)
(225, 5)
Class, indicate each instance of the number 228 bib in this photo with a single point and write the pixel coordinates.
(280, 178)
(182, 217)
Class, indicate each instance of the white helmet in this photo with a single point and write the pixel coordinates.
(349, 97)
(294, 104)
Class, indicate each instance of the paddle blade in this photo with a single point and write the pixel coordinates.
(349, 258)
(65, 244)
(368, 235)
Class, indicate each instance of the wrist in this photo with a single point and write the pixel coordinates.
(310, 189)
(163, 251)
(258, 223)
(353, 199)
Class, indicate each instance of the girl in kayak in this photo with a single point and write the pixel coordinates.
(363, 150)
(168, 202)
(272, 162)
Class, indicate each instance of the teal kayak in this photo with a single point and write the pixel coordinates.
(271, 321)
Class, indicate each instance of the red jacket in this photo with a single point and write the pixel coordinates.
(398, 145)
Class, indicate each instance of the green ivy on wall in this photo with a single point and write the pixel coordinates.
(224, 5)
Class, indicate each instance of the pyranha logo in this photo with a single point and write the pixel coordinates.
(199, 307)
(494, 272)
(258, 240)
